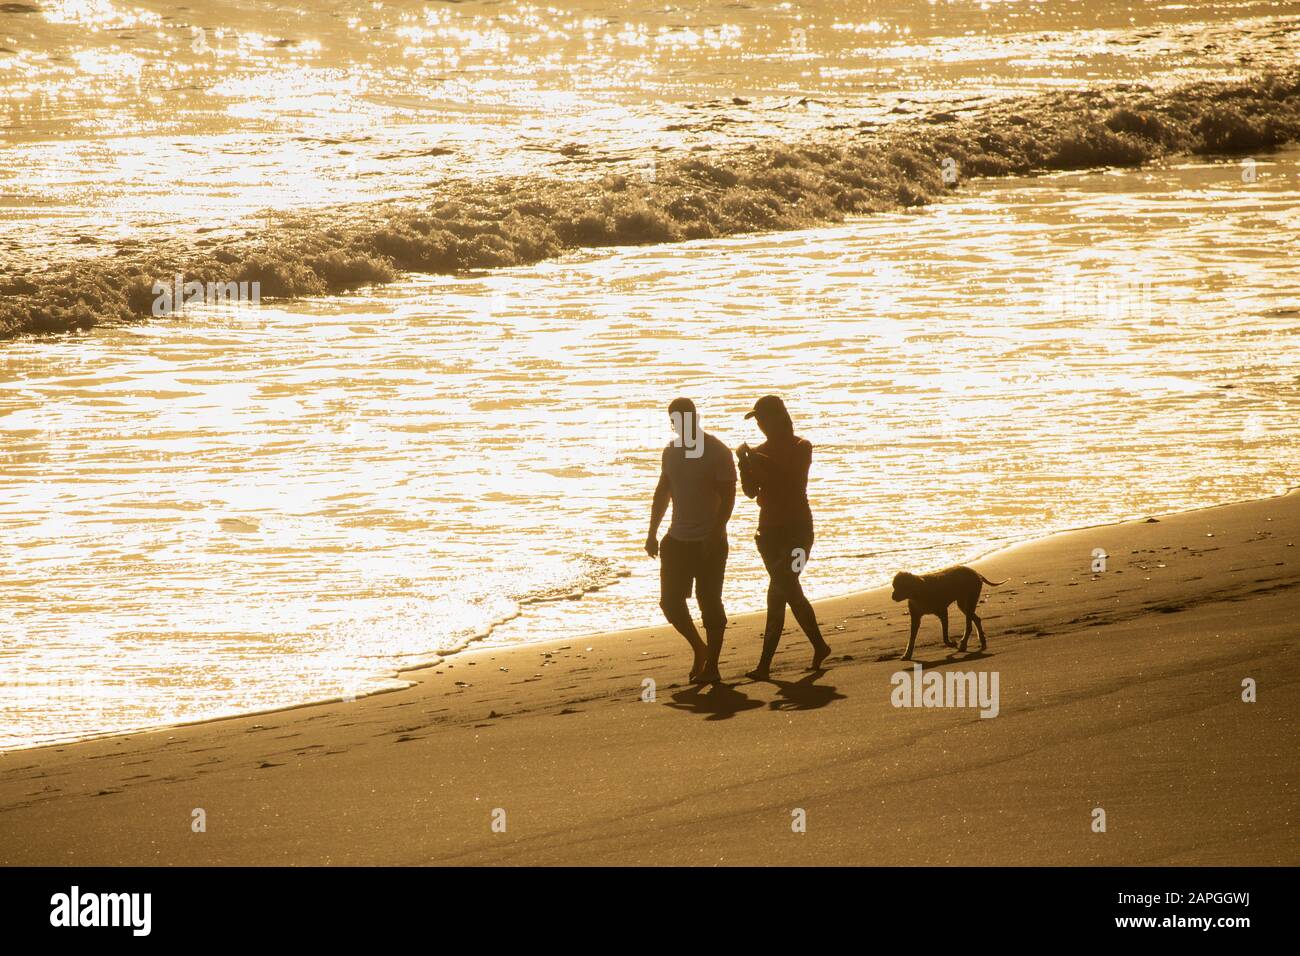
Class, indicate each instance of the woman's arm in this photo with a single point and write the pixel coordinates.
(786, 469)
(750, 482)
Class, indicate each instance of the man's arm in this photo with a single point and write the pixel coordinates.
(658, 508)
(726, 504)
(724, 479)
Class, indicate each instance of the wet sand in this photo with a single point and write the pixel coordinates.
(1120, 690)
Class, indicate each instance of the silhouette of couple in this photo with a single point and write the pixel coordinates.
(698, 477)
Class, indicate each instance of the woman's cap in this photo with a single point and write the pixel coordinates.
(766, 407)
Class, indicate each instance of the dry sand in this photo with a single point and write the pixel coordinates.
(1120, 690)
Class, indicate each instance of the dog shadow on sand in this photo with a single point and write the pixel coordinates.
(948, 660)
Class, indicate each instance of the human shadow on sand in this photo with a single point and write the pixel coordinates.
(713, 702)
(804, 694)
(720, 701)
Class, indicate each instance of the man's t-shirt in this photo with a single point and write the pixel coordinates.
(694, 484)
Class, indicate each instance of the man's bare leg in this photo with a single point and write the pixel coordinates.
(679, 616)
(710, 674)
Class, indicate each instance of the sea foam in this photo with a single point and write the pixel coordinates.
(484, 224)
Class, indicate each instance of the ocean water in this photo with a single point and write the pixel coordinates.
(135, 121)
(251, 506)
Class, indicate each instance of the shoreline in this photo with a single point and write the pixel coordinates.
(479, 645)
(1114, 694)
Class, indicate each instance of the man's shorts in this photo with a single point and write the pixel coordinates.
(698, 565)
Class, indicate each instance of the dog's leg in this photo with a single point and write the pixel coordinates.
(911, 641)
(967, 607)
(943, 620)
(980, 626)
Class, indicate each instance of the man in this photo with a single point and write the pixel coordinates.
(698, 475)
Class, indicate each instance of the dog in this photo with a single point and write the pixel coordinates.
(932, 593)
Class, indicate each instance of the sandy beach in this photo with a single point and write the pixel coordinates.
(1120, 690)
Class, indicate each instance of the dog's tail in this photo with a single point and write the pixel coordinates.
(991, 584)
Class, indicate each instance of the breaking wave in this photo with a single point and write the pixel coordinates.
(477, 224)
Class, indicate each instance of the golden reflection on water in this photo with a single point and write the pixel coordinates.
(241, 507)
(247, 507)
(314, 102)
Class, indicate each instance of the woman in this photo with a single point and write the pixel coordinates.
(776, 473)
